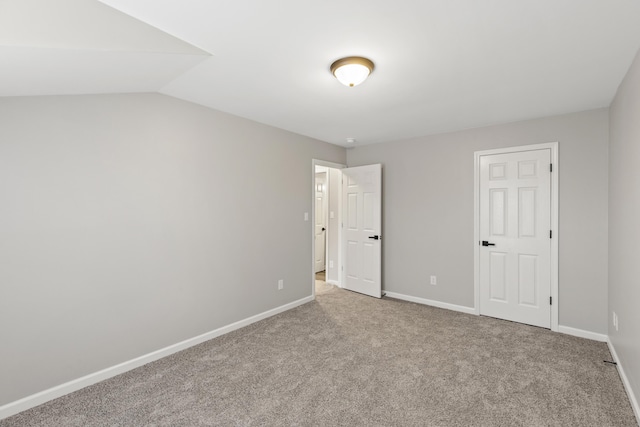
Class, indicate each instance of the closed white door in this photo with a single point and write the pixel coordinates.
(362, 205)
(515, 240)
(320, 226)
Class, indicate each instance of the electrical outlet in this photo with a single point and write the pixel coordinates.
(331, 263)
(433, 280)
(615, 321)
(280, 284)
(306, 216)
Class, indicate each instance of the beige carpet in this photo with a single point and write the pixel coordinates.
(351, 360)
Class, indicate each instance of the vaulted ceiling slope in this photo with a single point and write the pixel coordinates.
(441, 65)
(83, 46)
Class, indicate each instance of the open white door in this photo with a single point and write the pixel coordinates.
(362, 206)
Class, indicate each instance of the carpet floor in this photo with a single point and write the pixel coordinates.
(350, 360)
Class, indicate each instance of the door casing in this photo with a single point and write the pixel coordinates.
(553, 147)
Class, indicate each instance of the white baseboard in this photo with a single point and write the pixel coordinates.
(582, 333)
(333, 282)
(439, 304)
(44, 396)
(625, 382)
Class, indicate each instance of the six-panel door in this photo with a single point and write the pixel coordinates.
(515, 218)
(362, 229)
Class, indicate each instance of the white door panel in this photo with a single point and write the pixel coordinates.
(320, 221)
(515, 220)
(362, 197)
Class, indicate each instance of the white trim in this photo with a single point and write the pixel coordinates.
(581, 333)
(333, 282)
(439, 304)
(314, 163)
(555, 254)
(44, 396)
(553, 147)
(625, 382)
(476, 234)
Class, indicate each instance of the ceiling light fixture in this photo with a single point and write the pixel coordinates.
(352, 71)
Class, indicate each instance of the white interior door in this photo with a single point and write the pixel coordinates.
(362, 224)
(515, 224)
(320, 225)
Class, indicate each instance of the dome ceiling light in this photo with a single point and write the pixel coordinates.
(352, 71)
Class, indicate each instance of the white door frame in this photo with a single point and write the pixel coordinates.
(314, 163)
(553, 147)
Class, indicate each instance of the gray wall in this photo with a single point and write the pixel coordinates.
(132, 222)
(428, 211)
(624, 224)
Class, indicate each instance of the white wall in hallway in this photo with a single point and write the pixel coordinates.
(335, 188)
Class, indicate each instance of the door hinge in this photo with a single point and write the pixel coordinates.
(550, 300)
(551, 234)
(550, 167)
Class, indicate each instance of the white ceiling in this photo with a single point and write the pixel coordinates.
(441, 65)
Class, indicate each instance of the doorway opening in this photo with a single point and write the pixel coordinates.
(326, 253)
(347, 227)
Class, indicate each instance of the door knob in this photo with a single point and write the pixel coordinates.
(485, 243)
(323, 228)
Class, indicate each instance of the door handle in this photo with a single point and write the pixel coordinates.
(485, 243)
(376, 237)
(323, 228)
